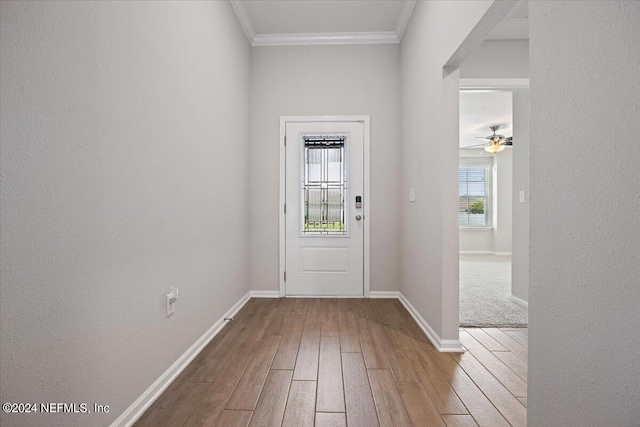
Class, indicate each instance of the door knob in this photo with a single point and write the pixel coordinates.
(358, 217)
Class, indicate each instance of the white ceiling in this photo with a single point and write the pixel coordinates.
(481, 109)
(268, 22)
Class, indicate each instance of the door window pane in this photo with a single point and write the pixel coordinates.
(324, 185)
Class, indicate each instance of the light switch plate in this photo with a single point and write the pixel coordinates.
(412, 195)
(172, 299)
(171, 306)
(521, 196)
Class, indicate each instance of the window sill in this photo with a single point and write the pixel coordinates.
(476, 228)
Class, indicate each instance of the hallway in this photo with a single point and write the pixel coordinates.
(338, 362)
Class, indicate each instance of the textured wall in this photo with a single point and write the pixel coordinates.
(124, 172)
(584, 316)
(353, 80)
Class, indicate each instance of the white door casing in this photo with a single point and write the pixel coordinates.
(324, 258)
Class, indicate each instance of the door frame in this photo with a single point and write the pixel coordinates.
(365, 120)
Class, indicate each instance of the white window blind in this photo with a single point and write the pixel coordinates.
(473, 210)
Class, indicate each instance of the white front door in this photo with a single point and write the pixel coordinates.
(324, 208)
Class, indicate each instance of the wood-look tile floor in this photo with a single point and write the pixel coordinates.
(345, 362)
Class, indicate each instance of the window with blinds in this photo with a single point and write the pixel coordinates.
(474, 192)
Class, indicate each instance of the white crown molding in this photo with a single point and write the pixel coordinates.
(403, 19)
(244, 19)
(324, 38)
(376, 37)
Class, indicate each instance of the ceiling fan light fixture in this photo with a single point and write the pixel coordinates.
(494, 148)
(496, 143)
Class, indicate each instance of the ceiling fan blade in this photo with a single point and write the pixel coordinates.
(485, 137)
(508, 141)
(473, 146)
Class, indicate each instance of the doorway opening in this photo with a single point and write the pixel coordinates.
(491, 81)
(493, 165)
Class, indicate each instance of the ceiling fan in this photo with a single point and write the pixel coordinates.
(495, 143)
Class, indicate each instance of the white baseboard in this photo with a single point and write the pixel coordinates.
(485, 253)
(519, 301)
(444, 346)
(384, 294)
(264, 294)
(324, 296)
(137, 408)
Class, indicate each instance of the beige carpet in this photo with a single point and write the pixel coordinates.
(485, 286)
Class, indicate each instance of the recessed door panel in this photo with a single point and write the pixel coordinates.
(328, 260)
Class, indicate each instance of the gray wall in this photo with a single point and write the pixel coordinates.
(498, 59)
(520, 218)
(426, 272)
(584, 345)
(351, 80)
(124, 172)
(503, 189)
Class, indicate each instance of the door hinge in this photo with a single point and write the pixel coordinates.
(285, 276)
(285, 208)
(285, 140)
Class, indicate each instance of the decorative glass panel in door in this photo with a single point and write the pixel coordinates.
(324, 185)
